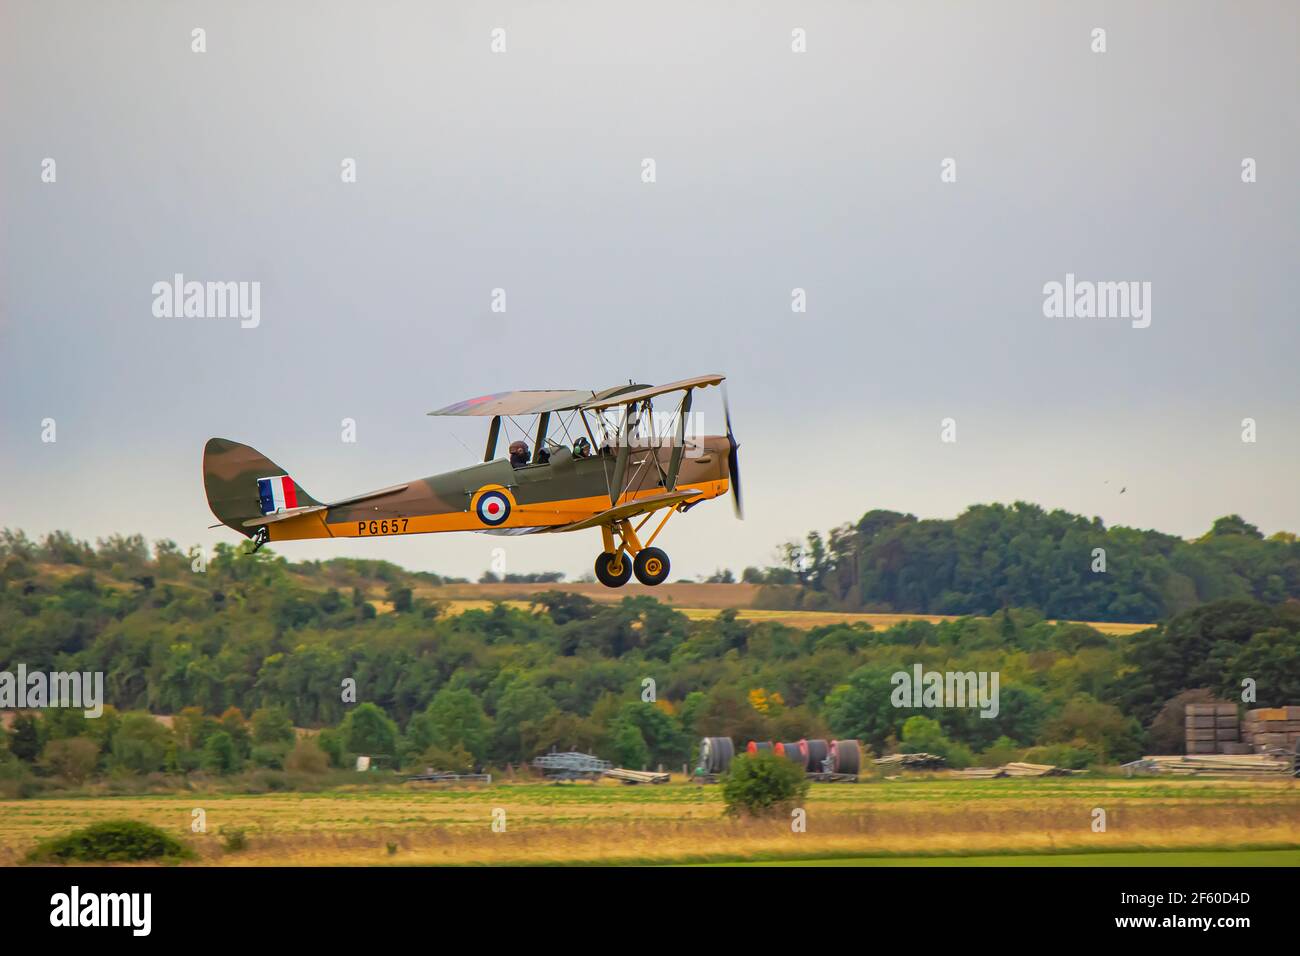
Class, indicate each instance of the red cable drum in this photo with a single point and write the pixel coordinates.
(794, 752)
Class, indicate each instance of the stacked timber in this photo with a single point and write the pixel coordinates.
(1014, 769)
(1211, 728)
(1229, 765)
(912, 762)
(978, 773)
(1035, 770)
(1272, 728)
(636, 776)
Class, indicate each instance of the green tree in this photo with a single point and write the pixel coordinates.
(25, 738)
(630, 749)
(220, 755)
(456, 718)
(141, 743)
(271, 725)
(400, 598)
(368, 730)
(521, 705)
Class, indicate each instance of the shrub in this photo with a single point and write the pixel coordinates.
(1073, 756)
(763, 784)
(1001, 751)
(16, 780)
(307, 757)
(233, 839)
(112, 841)
(74, 759)
(455, 759)
(270, 756)
(330, 741)
(924, 735)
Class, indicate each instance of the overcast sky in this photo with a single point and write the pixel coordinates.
(775, 170)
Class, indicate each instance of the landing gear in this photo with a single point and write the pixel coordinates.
(613, 569)
(260, 537)
(651, 566)
(627, 555)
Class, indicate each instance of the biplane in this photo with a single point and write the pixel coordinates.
(585, 460)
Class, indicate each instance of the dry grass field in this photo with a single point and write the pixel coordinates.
(696, 601)
(683, 822)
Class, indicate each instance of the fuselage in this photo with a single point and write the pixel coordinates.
(495, 496)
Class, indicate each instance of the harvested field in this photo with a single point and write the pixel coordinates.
(609, 823)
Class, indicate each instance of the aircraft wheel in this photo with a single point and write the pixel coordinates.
(651, 566)
(613, 570)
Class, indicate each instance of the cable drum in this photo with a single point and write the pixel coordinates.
(716, 754)
(794, 752)
(759, 746)
(846, 756)
(816, 751)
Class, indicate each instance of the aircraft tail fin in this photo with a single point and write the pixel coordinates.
(242, 484)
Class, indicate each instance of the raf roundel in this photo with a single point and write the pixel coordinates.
(493, 508)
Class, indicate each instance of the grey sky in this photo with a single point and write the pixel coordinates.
(775, 170)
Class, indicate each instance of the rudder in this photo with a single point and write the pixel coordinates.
(241, 483)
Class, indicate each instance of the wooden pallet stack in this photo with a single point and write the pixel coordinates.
(912, 762)
(1014, 769)
(1212, 729)
(1272, 728)
(1224, 765)
(637, 776)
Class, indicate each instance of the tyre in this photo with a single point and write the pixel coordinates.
(613, 569)
(651, 566)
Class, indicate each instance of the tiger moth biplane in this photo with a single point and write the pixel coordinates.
(601, 460)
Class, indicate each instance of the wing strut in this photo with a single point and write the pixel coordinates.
(624, 450)
(675, 460)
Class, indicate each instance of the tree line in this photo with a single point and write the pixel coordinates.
(1021, 555)
(241, 653)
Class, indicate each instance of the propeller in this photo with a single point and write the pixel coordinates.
(733, 461)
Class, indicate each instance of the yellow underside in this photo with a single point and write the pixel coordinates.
(542, 514)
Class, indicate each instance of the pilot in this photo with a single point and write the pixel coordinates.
(519, 453)
(582, 448)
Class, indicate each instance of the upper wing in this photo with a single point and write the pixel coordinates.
(537, 401)
(649, 391)
(524, 402)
